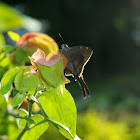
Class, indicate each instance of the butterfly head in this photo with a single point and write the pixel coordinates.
(64, 46)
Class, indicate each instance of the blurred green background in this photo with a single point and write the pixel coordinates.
(112, 30)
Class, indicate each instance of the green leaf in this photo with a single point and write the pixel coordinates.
(9, 19)
(15, 91)
(2, 40)
(61, 109)
(25, 80)
(54, 75)
(14, 36)
(20, 55)
(63, 129)
(3, 106)
(23, 113)
(36, 130)
(59, 89)
(2, 55)
(8, 79)
(18, 80)
(18, 99)
(5, 62)
(2, 71)
(8, 49)
(32, 91)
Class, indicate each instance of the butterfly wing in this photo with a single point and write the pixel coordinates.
(77, 57)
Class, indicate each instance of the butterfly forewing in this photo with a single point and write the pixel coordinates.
(77, 57)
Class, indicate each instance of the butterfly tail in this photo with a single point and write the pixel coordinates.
(83, 85)
(86, 87)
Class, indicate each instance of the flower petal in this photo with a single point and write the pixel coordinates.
(38, 40)
(55, 55)
(26, 37)
(36, 56)
(49, 63)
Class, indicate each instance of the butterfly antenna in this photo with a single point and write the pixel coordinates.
(62, 38)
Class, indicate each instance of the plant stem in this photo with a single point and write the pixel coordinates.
(30, 109)
(26, 126)
(23, 131)
(45, 120)
(41, 109)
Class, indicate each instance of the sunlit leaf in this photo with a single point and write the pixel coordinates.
(36, 130)
(18, 99)
(2, 40)
(13, 131)
(8, 79)
(2, 55)
(14, 36)
(32, 91)
(52, 75)
(3, 106)
(63, 129)
(2, 71)
(5, 61)
(23, 113)
(25, 80)
(9, 18)
(60, 109)
(58, 90)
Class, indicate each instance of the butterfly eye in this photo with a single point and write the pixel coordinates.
(36, 70)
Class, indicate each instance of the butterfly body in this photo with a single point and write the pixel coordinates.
(77, 57)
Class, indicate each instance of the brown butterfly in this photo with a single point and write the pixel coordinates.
(77, 57)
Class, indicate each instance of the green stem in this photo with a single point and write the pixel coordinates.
(45, 120)
(30, 109)
(26, 127)
(22, 133)
(41, 109)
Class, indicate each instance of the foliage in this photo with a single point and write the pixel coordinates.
(3, 107)
(94, 125)
(42, 83)
(90, 124)
(8, 15)
(9, 19)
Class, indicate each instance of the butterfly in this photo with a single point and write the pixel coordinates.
(77, 57)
